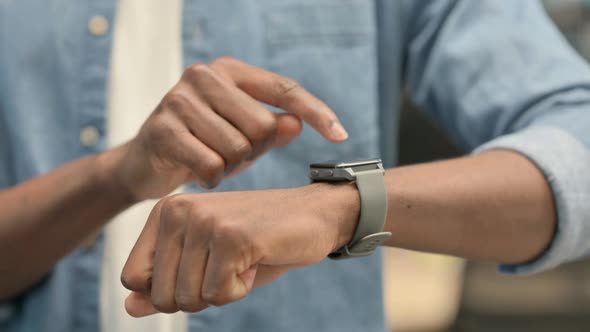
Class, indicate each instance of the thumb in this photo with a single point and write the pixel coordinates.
(269, 273)
(289, 126)
(139, 305)
(248, 277)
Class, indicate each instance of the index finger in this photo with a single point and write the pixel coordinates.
(284, 93)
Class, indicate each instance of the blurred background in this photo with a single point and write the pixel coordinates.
(432, 293)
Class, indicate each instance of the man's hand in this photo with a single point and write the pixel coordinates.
(212, 249)
(212, 124)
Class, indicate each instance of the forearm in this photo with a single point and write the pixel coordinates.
(494, 206)
(43, 219)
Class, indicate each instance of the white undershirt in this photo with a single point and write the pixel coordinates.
(146, 62)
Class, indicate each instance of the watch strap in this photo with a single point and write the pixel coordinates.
(369, 231)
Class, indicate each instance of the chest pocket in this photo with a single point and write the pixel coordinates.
(329, 46)
(319, 24)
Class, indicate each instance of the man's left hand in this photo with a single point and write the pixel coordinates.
(212, 249)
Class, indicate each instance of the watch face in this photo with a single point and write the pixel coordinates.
(339, 164)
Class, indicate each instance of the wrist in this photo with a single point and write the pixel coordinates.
(339, 205)
(109, 173)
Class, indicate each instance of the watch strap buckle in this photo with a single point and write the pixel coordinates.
(363, 247)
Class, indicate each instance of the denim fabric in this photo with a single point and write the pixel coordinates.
(483, 69)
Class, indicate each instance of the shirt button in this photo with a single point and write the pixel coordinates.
(98, 25)
(89, 136)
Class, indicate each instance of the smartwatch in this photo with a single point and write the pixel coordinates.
(368, 177)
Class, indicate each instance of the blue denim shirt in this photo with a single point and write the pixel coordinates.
(495, 73)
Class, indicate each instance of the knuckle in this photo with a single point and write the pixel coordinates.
(240, 149)
(285, 88)
(286, 85)
(188, 303)
(174, 100)
(163, 304)
(174, 211)
(216, 297)
(133, 281)
(212, 169)
(158, 206)
(203, 221)
(198, 70)
(266, 128)
(224, 61)
(197, 211)
(159, 129)
(177, 202)
(224, 232)
(243, 148)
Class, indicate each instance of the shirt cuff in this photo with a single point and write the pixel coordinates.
(564, 160)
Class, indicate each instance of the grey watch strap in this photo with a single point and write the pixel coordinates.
(369, 232)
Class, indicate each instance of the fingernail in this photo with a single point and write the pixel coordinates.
(338, 131)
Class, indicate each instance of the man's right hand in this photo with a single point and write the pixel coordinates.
(211, 124)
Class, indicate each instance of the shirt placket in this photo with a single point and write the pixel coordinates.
(90, 117)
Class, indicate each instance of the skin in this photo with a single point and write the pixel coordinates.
(209, 126)
(198, 250)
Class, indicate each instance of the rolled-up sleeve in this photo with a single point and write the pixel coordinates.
(498, 75)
